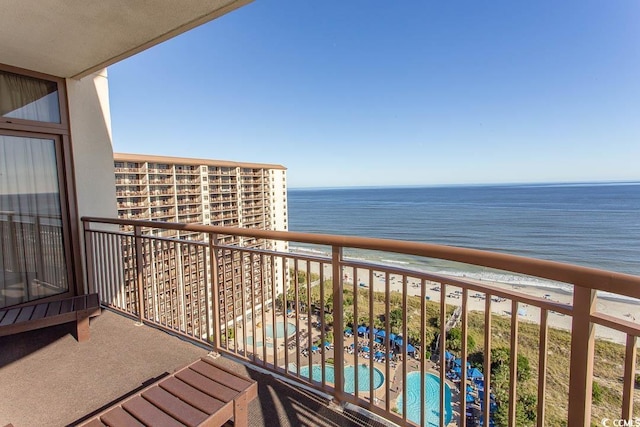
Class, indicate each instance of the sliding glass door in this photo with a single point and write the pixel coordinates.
(32, 226)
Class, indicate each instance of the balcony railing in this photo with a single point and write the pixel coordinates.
(289, 313)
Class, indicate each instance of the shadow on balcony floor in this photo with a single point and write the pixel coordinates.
(47, 378)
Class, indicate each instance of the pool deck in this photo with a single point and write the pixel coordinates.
(395, 368)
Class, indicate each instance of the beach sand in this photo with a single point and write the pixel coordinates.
(626, 310)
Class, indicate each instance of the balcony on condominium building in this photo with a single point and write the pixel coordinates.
(331, 310)
(331, 339)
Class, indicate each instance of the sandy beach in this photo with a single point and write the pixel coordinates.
(622, 309)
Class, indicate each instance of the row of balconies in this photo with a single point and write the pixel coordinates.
(158, 181)
(136, 170)
(162, 213)
(191, 219)
(185, 211)
(219, 199)
(129, 181)
(164, 171)
(189, 200)
(222, 181)
(163, 202)
(188, 181)
(128, 205)
(134, 191)
(161, 191)
(187, 170)
(214, 170)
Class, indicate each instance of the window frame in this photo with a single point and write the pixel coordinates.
(60, 133)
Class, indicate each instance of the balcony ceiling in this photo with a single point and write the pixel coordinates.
(73, 38)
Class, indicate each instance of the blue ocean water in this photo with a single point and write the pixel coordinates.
(594, 225)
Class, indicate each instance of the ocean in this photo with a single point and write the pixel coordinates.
(593, 225)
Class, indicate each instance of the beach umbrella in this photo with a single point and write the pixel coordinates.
(448, 356)
(381, 333)
(351, 345)
(398, 340)
(474, 373)
(410, 348)
(522, 311)
(470, 399)
(365, 349)
(327, 344)
(315, 348)
(392, 336)
(457, 370)
(379, 354)
(348, 331)
(457, 361)
(378, 340)
(362, 330)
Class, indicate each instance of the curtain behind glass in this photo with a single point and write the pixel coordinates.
(32, 261)
(28, 98)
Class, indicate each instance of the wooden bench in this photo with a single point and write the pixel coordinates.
(44, 314)
(201, 394)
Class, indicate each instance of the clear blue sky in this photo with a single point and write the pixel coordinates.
(361, 92)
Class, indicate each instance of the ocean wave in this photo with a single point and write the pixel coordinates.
(301, 249)
(509, 279)
(393, 261)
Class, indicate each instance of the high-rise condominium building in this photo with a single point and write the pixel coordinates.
(210, 192)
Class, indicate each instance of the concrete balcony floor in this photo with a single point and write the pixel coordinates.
(47, 378)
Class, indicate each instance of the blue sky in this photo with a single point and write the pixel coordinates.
(350, 93)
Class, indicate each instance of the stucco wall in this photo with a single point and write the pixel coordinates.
(92, 145)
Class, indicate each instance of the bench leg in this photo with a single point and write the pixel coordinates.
(82, 326)
(240, 411)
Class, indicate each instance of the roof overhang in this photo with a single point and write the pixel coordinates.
(74, 38)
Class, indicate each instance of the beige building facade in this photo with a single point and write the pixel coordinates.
(209, 192)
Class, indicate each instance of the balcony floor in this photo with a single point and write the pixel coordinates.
(47, 378)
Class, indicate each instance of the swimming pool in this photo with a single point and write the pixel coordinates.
(268, 330)
(291, 329)
(349, 376)
(431, 401)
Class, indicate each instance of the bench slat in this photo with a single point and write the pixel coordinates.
(93, 301)
(66, 306)
(207, 386)
(10, 317)
(149, 414)
(40, 311)
(119, 417)
(53, 309)
(79, 303)
(95, 423)
(220, 376)
(175, 407)
(192, 396)
(44, 314)
(25, 314)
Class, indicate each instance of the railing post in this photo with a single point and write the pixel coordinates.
(337, 322)
(581, 362)
(88, 255)
(212, 324)
(139, 271)
(40, 271)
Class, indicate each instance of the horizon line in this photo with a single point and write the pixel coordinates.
(488, 184)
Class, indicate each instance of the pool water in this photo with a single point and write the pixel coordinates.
(291, 329)
(349, 376)
(431, 401)
(268, 330)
